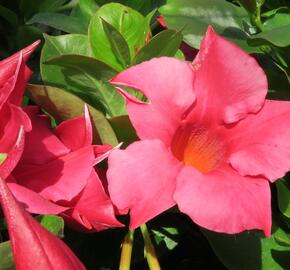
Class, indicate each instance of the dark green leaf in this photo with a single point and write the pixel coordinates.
(61, 22)
(166, 43)
(195, 16)
(132, 25)
(119, 45)
(63, 106)
(249, 250)
(283, 190)
(6, 261)
(8, 15)
(123, 128)
(91, 75)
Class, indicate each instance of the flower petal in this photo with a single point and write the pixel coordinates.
(260, 145)
(142, 179)
(33, 246)
(80, 127)
(168, 84)
(14, 75)
(229, 84)
(224, 201)
(33, 202)
(41, 144)
(60, 179)
(95, 206)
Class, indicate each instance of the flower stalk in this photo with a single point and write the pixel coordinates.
(149, 249)
(126, 254)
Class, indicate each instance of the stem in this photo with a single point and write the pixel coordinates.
(149, 249)
(126, 253)
(69, 5)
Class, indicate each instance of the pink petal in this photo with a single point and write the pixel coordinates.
(13, 155)
(229, 83)
(142, 179)
(81, 128)
(224, 201)
(41, 145)
(14, 75)
(168, 84)
(60, 179)
(33, 202)
(95, 206)
(33, 246)
(260, 145)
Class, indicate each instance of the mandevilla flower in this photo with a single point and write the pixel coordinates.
(56, 173)
(33, 246)
(210, 142)
(14, 75)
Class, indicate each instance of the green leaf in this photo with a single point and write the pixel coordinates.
(91, 76)
(8, 15)
(165, 43)
(167, 236)
(63, 105)
(194, 17)
(88, 7)
(278, 20)
(275, 36)
(283, 190)
(132, 25)
(54, 224)
(3, 156)
(123, 128)
(6, 255)
(60, 21)
(249, 250)
(118, 44)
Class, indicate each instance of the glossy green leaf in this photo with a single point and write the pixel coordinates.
(60, 21)
(119, 45)
(278, 20)
(194, 16)
(249, 250)
(6, 261)
(88, 7)
(123, 128)
(63, 105)
(283, 190)
(275, 36)
(91, 76)
(54, 75)
(54, 224)
(165, 43)
(131, 24)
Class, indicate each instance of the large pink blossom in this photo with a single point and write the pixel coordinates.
(56, 173)
(210, 142)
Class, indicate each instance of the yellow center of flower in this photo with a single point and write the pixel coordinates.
(198, 147)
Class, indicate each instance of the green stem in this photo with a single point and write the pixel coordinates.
(68, 6)
(126, 253)
(150, 253)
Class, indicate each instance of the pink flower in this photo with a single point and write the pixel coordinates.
(33, 246)
(56, 173)
(14, 75)
(210, 142)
